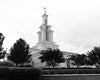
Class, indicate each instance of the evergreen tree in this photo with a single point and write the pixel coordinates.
(52, 57)
(19, 53)
(2, 52)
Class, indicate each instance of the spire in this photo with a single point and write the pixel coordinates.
(44, 10)
(45, 16)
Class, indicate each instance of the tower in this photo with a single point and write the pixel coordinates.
(45, 35)
(45, 41)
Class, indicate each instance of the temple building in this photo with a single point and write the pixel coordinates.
(45, 41)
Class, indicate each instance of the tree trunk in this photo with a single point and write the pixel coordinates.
(16, 65)
(53, 66)
(78, 66)
(97, 65)
(49, 66)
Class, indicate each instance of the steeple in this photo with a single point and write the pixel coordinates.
(45, 34)
(45, 17)
(44, 10)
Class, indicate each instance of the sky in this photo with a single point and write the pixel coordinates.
(76, 23)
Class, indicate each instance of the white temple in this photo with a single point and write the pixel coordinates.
(45, 35)
(45, 41)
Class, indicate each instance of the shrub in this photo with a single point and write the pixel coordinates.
(4, 73)
(25, 66)
(18, 73)
(72, 71)
(6, 64)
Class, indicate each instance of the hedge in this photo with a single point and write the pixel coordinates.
(71, 71)
(19, 74)
(6, 64)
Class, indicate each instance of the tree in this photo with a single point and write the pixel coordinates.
(52, 57)
(94, 56)
(78, 59)
(2, 51)
(19, 53)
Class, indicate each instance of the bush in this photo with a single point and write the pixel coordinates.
(17, 73)
(71, 71)
(4, 73)
(25, 66)
(6, 64)
(63, 68)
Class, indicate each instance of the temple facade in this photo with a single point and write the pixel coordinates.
(45, 41)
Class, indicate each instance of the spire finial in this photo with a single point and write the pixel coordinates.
(44, 10)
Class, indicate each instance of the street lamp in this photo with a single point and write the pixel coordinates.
(68, 61)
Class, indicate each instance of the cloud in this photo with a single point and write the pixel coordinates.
(76, 23)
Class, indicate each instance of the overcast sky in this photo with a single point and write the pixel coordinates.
(76, 23)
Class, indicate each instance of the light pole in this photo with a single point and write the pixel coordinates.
(67, 61)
